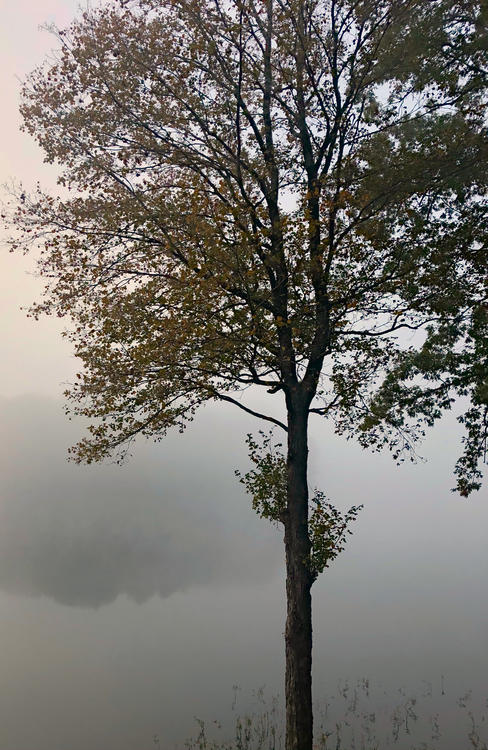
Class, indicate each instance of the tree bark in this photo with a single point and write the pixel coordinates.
(298, 633)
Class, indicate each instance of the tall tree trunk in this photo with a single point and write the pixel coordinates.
(298, 634)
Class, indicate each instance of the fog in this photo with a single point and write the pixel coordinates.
(158, 525)
(137, 596)
(133, 598)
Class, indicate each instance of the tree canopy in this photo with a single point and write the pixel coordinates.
(262, 192)
(254, 189)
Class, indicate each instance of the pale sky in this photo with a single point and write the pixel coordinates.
(133, 599)
(35, 357)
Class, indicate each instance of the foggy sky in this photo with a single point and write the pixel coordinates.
(133, 598)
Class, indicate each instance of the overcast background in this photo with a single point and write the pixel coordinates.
(133, 598)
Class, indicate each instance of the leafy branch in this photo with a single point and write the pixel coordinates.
(266, 483)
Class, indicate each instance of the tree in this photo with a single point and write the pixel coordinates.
(270, 193)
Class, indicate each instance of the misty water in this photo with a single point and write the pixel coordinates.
(136, 597)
